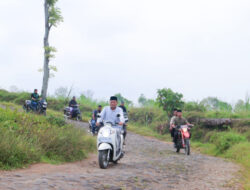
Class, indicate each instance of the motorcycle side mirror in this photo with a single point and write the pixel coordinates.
(118, 115)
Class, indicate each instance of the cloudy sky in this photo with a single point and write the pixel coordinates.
(198, 48)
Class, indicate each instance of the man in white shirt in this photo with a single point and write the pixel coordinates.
(112, 113)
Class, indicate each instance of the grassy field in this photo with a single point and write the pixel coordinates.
(29, 138)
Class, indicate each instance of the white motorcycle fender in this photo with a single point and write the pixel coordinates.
(104, 146)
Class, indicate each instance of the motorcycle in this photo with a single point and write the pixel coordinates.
(73, 112)
(183, 138)
(39, 107)
(90, 127)
(109, 144)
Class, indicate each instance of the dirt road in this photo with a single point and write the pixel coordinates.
(148, 164)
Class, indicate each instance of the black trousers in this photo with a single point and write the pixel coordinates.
(125, 131)
(176, 133)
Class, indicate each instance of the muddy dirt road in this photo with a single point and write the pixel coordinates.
(148, 164)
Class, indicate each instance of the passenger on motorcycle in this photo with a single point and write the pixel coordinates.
(122, 106)
(72, 103)
(110, 113)
(172, 129)
(94, 118)
(34, 100)
(178, 121)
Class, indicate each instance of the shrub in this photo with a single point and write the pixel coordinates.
(225, 140)
(27, 138)
(240, 152)
(16, 150)
(146, 115)
(197, 133)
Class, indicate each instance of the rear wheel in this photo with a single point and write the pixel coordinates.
(79, 118)
(187, 148)
(115, 162)
(178, 148)
(103, 159)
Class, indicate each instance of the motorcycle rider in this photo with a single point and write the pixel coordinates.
(110, 113)
(122, 106)
(94, 118)
(172, 129)
(72, 103)
(178, 121)
(34, 99)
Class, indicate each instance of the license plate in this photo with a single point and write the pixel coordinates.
(104, 139)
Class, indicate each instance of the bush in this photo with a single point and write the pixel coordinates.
(16, 150)
(146, 115)
(225, 140)
(194, 116)
(197, 133)
(54, 120)
(240, 152)
(27, 138)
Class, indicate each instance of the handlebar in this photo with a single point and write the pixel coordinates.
(191, 125)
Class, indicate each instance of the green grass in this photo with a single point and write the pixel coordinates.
(148, 131)
(30, 138)
(229, 145)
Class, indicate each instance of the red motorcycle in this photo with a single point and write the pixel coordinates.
(183, 138)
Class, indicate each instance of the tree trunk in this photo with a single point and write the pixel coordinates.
(215, 122)
(46, 53)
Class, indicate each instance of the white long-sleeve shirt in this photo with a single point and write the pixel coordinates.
(109, 115)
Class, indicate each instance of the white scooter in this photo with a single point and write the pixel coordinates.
(109, 144)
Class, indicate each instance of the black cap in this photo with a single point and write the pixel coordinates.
(179, 110)
(100, 106)
(113, 98)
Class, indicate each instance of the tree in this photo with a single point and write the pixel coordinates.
(213, 103)
(168, 100)
(88, 94)
(61, 92)
(52, 18)
(194, 106)
(121, 98)
(143, 101)
(240, 106)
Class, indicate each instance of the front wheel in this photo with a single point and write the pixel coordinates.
(178, 146)
(187, 148)
(45, 113)
(103, 159)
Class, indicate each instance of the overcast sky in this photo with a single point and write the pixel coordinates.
(198, 48)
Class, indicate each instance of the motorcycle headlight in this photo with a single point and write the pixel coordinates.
(106, 132)
(184, 129)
